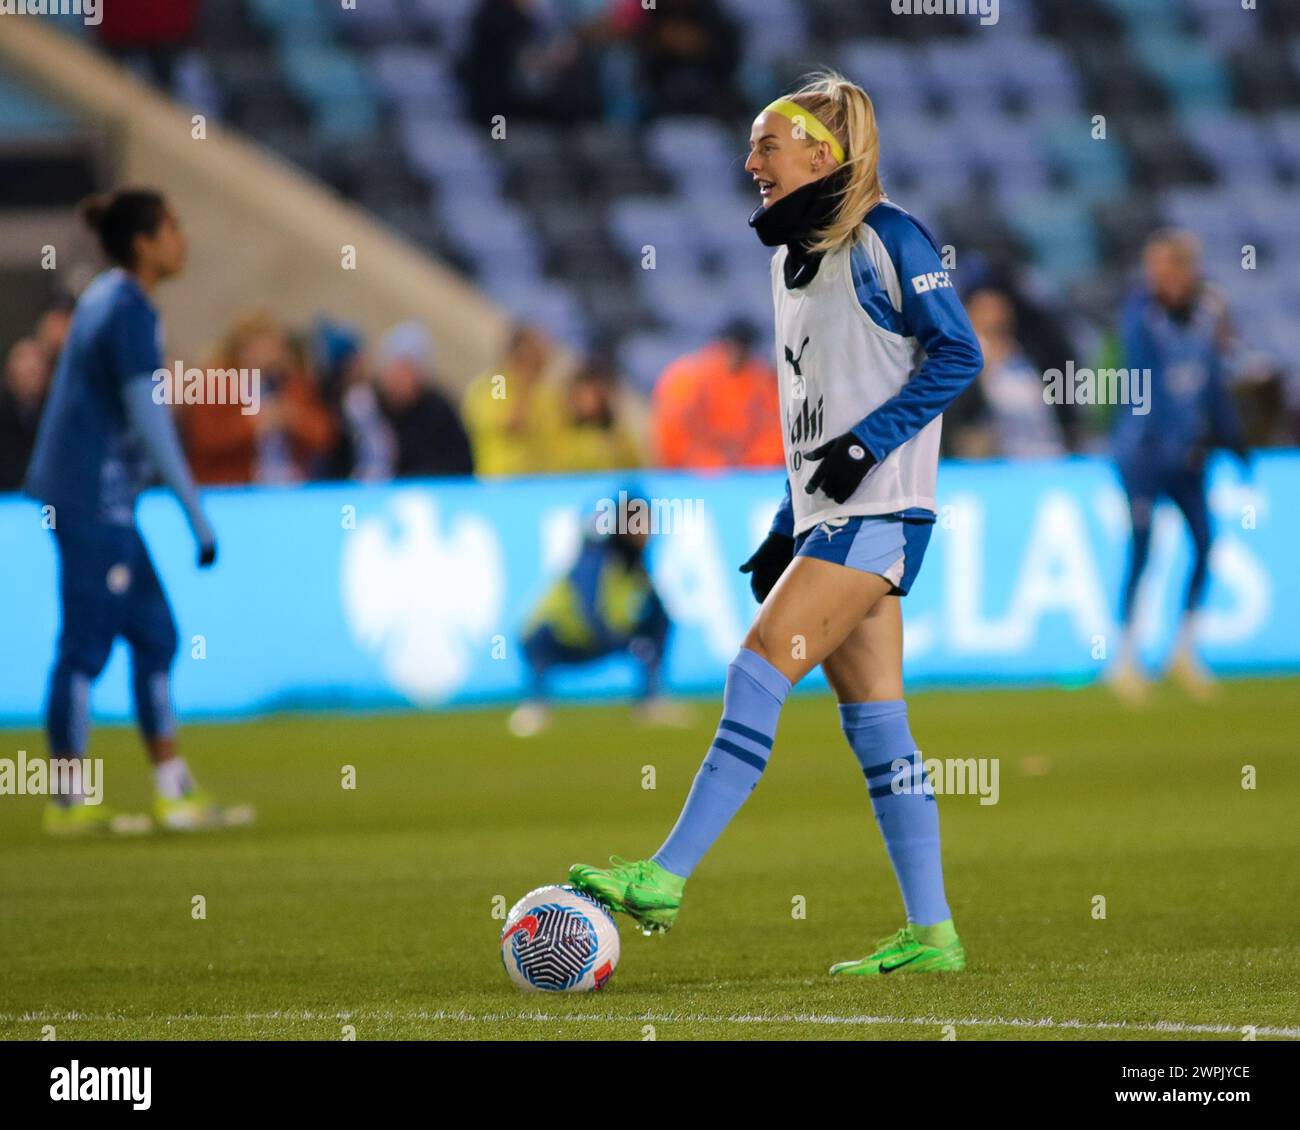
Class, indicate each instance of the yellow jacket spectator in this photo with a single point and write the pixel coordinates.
(522, 424)
(515, 419)
(596, 437)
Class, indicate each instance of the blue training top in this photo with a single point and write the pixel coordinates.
(1189, 399)
(88, 461)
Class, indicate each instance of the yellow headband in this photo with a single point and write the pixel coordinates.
(808, 121)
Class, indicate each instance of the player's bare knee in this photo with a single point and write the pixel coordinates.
(754, 641)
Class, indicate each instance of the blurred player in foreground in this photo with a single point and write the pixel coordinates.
(873, 345)
(604, 605)
(100, 441)
(1175, 326)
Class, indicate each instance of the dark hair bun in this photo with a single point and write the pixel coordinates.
(117, 218)
(92, 210)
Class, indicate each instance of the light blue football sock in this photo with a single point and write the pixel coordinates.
(751, 705)
(905, 810)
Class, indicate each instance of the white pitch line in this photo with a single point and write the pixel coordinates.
(1163, 1027)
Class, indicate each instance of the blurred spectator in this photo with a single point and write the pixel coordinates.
(280, 442)
(1004, 412)
(611, 28)
(690, 52)
(1260, 393)
(1040, 330)
(596, 438)
(516, 418)
(427, 435)
(148, 36)
(52, 325)
(22, 394)
(340, 367)
(528, 59)
(719, 407)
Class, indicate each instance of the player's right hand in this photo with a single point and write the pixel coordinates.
(207, 554)
(768, 563)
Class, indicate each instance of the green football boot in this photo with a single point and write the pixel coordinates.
(913, 949)
(642, 890)
(71, 820)
(197, 811)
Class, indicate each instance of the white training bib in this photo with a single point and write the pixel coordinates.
(835, 366)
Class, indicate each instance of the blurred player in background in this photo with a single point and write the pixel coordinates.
(1176, 326)
(604, 605)
(101, 439)
(873, 344)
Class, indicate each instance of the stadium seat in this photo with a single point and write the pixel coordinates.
(1235, 145)
(886, 71)
(684, 301)
(329, 79)
(1226, 25)
(667, 226)
(492, 232)
(1195, 79)
(376, 22)
(551, 306)
(772, 28)
(23, 113)
(413, 78)
(296, 21)
(696, 152)
(644, 355)
(449, 19)
(446, 151)
(1042, 81)
(1096, 168)
(1283, 131)
(1060, 233)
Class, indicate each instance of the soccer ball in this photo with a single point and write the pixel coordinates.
(559, 940)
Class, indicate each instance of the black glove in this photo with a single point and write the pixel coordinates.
(768, 563)
(844, 464)
(207, 554)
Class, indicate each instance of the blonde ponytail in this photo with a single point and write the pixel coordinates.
(845, 109)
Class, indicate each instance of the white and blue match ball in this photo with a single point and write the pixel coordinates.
(559, 940)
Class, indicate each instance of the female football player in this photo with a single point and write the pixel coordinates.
(101, 439)
(1175, 327)
(872, 345)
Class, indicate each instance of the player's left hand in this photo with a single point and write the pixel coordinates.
(844, 464)
(767, 563)
(207, 554)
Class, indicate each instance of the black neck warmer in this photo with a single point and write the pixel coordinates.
(794, 219)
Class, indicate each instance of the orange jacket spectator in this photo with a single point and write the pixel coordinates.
(718, 407)
(280, 441)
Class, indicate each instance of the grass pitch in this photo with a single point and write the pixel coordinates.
(374, 907)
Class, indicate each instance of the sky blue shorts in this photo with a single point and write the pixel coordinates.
(885, 544)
